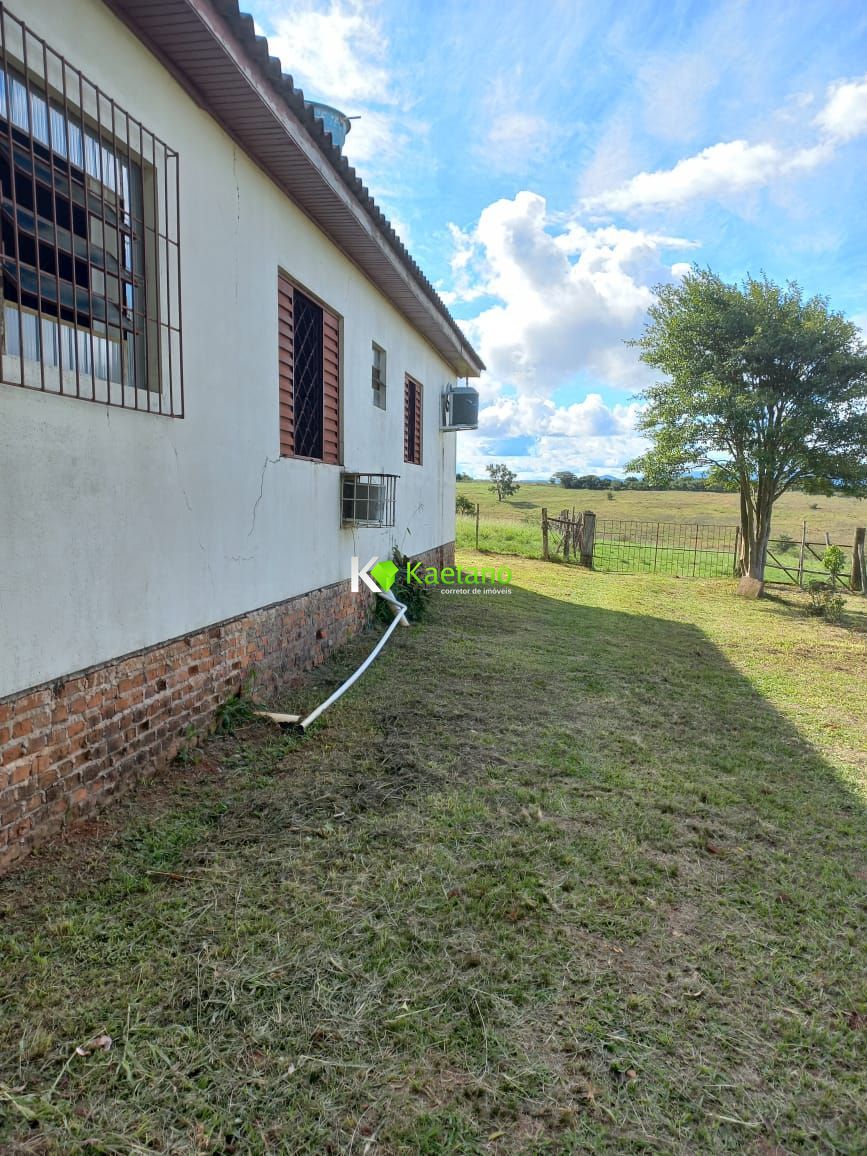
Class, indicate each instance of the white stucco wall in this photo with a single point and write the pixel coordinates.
(118, 529)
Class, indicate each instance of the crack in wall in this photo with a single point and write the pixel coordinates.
(180, 483)
(268, 462)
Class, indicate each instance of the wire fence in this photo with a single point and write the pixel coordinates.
(683, 549)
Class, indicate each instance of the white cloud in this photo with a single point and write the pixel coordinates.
(844, 116)
(720, 171)
(339, 53)
(592, 418)
(732, 168)
(517, 141)
(567, 295)
(612, 160)
(585, 437)
(375, 135)
(515, 138)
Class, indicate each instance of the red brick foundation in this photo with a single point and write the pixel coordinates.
(67, 746)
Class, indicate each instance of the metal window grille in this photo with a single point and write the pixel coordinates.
(307, 390)
(378, 377)
(90, 251)
(368, 499)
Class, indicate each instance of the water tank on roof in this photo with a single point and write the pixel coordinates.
(333, 120)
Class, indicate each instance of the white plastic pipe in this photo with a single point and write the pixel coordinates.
(399, 618)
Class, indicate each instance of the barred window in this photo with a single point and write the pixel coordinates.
(412, 419)
(90, 247)
(309, 376)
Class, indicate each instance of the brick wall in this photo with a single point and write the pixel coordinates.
(67, 746)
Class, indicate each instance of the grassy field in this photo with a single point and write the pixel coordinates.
(837, 516)
(580, 868)
(513, 526)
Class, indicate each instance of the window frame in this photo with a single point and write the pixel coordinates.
(331, 373)
(379, 377)
(90, 248)
(413, 421)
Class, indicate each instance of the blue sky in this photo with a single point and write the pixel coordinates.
(548, 163)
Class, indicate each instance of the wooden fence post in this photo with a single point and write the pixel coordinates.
(801, 555)
(859, 578)
(588, 538)
(477, 525)
(567, 533)
(544, 534)
(736, 568)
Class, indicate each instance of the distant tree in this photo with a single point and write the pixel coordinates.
(504, 483)
(464, 477)
(609, 494)
(765, 390)
(566, 479)
(463, 505)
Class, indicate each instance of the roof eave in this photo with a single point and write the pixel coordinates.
(213, 51)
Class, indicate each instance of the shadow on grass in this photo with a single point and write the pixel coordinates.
(552, 878)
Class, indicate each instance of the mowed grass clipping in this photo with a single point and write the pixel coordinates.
(576, 869)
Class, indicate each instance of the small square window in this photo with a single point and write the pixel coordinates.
(378, 376)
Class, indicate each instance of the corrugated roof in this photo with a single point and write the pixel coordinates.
(212, 48)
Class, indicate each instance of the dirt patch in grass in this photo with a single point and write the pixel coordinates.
(573, 870)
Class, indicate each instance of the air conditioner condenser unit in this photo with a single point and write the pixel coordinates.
(460, 408)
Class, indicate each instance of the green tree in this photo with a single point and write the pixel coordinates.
(765, 390)
(504, 483)
(564, 478)
(463, 505)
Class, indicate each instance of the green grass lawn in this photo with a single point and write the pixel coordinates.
(838, 516)
(513, 526)
(582, 868)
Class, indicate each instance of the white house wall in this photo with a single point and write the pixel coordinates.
(118, 529)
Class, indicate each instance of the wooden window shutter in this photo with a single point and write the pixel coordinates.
(418, 424)
(285, 354)
(412, 421)
(330, 388)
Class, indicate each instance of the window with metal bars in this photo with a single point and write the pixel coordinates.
(307, 381)
(309, 376)
(368, 499)
(412, 421)
(89, 229)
